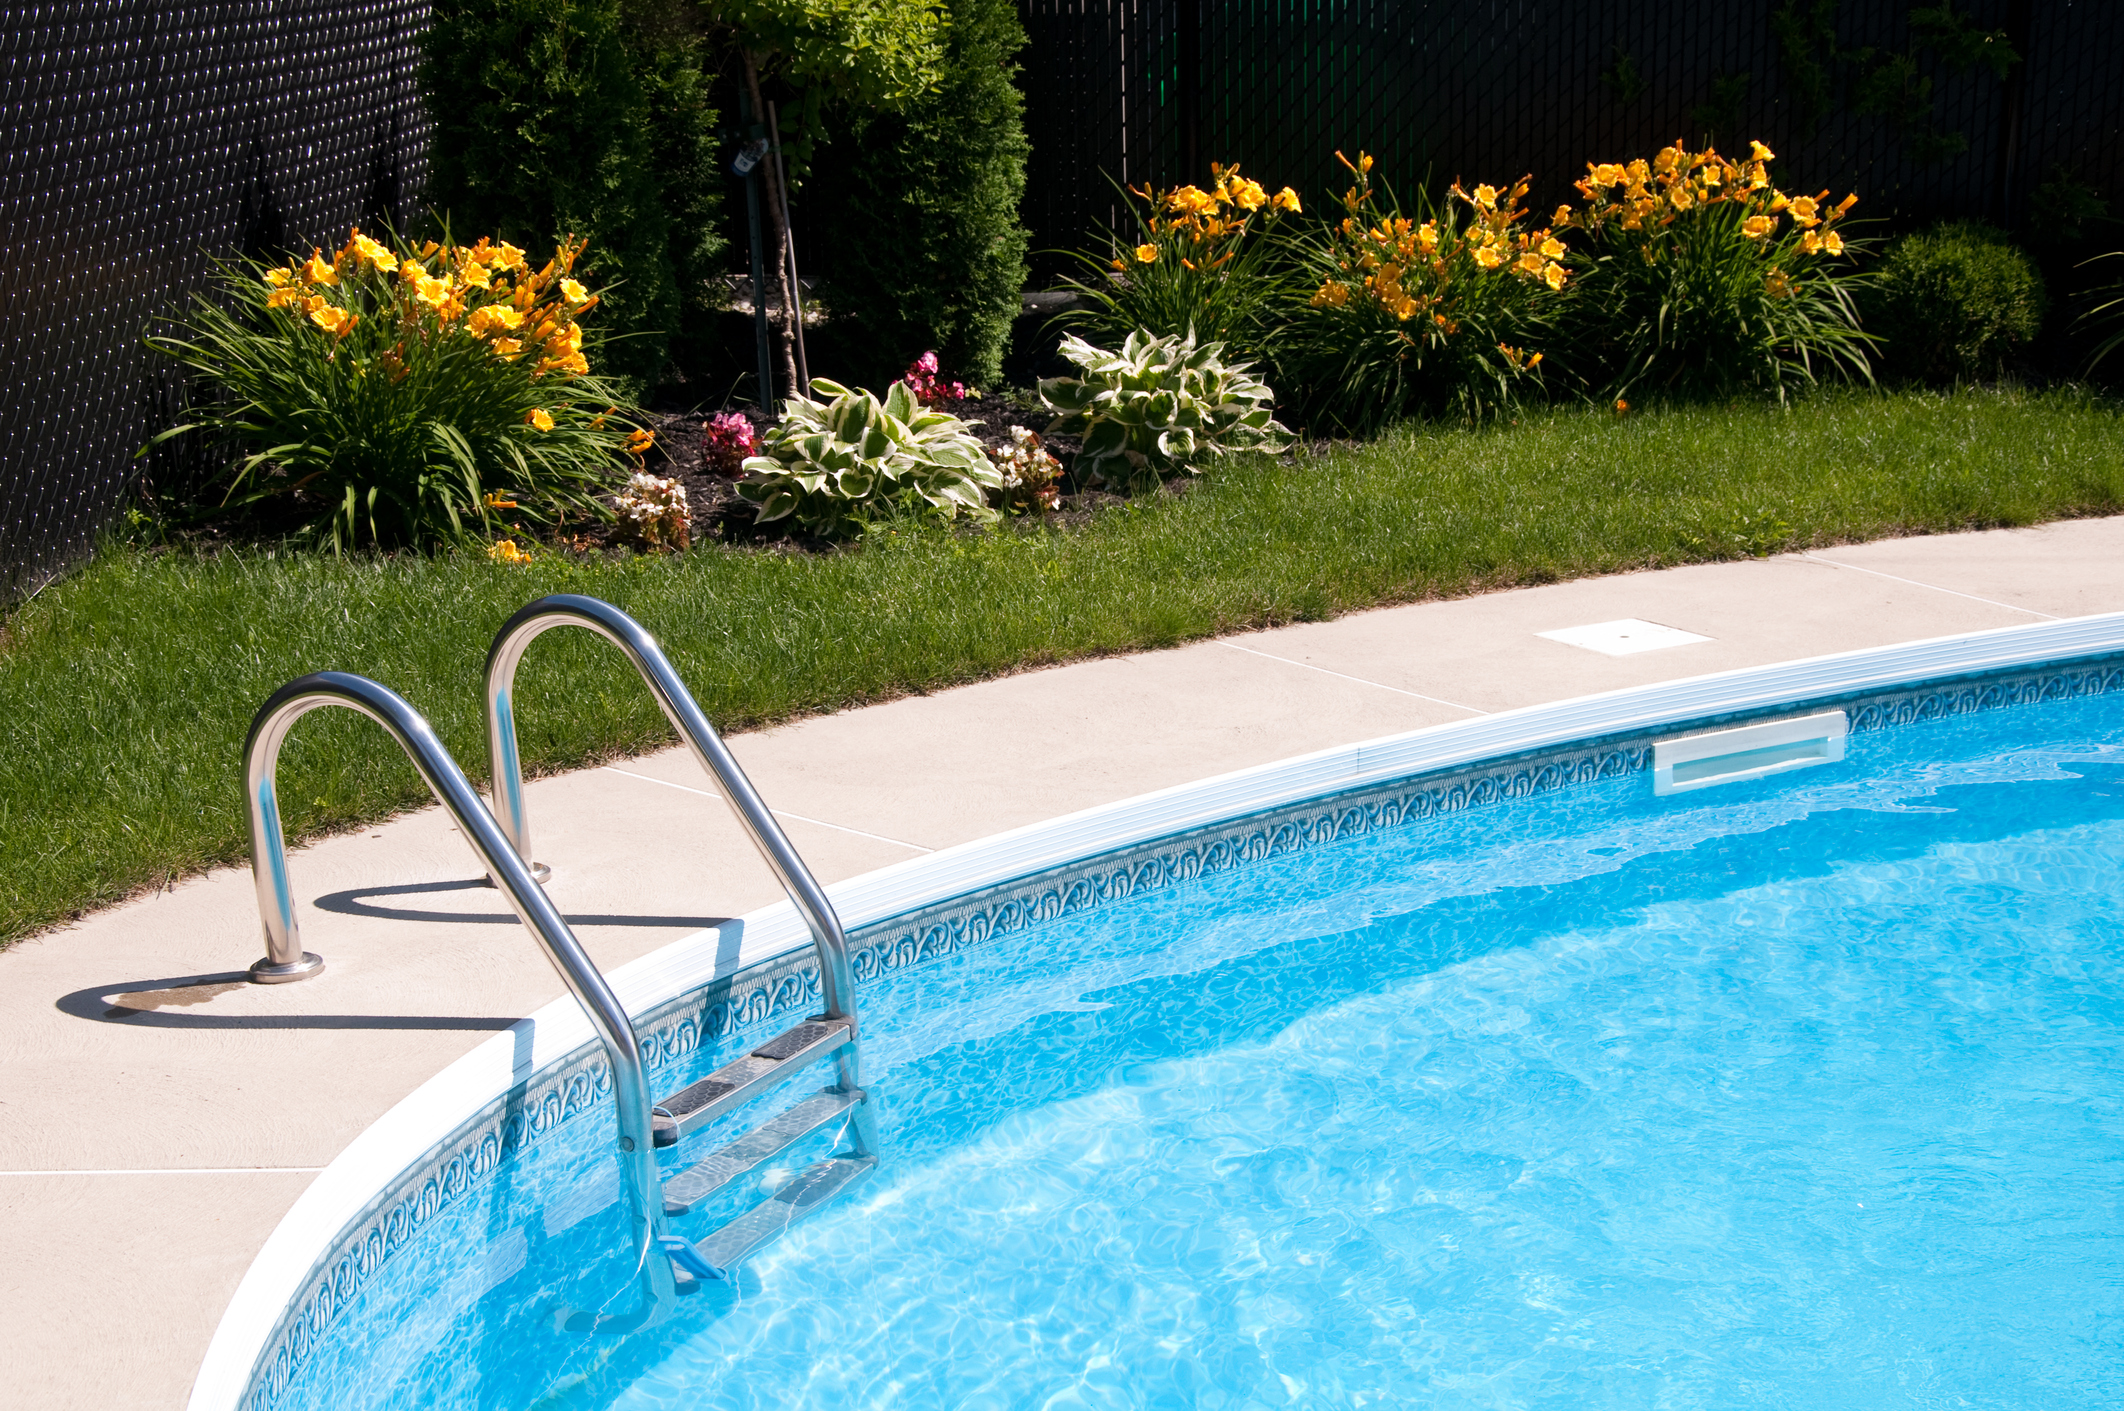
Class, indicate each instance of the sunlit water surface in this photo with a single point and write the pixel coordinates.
(1797, 1094)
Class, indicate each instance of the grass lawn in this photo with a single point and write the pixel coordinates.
(126, 690)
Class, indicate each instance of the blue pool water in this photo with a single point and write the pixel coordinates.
(1796, 1094)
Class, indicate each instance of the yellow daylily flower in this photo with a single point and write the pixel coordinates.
(573, 292)
(1758, 152)
(1833, 243)
(1553, 248)
(1486, 197)
(1287, 200)
(374, 251)
(319, 270)
(505, 551)
(539, 419)
(1756, 227)
(1552, 275)
(1146, 254)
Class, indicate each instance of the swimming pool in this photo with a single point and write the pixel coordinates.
(1502, 1082)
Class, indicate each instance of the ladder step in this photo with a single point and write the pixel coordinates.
(742, 1079)
(812, 1188)
(770, 1139)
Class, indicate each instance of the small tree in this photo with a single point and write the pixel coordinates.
(869, 53)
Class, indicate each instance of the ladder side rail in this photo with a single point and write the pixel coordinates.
(836, 975)
(287, 961)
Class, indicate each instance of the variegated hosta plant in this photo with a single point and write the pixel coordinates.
(835, 465)
(1159, 408)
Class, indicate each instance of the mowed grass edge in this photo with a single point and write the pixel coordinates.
(126, 690)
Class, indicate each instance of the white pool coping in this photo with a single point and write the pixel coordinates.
(467, 1087)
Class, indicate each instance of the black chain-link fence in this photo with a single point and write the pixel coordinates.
(139, 139)
(1852, 96)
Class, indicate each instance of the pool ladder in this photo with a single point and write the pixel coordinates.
(668, 1265)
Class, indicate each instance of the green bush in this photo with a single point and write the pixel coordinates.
(400, 397)
(1199, 263)
(1951, 303)
(837, 466)
(1446, 307)
(1693, 275)
(1158, 408)
(583, 117)
(919, 211)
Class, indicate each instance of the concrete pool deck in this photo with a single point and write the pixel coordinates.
(160, 1115)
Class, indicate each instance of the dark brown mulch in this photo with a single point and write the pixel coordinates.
(719, 516)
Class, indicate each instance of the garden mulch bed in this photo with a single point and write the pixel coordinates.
(719, 516)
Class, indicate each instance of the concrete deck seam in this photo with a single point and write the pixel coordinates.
(1434, 700)
(1991, 602)
(778, 813)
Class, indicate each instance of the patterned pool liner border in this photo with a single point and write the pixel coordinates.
(753, 999)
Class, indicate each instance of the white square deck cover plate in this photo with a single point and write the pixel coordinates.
(1623, 637)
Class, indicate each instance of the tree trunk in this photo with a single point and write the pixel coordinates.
(778, 241)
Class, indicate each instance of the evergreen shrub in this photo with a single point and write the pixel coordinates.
(918, 210)
(1951, 303)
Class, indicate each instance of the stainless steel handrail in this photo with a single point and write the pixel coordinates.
(286, 960)
(836, 978)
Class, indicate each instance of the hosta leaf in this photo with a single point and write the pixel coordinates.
(777, 505)
(1104, 438)
(1067, 394)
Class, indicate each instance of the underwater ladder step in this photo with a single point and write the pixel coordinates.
(741, 1080)
(715, 1256)
(770, 1139)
